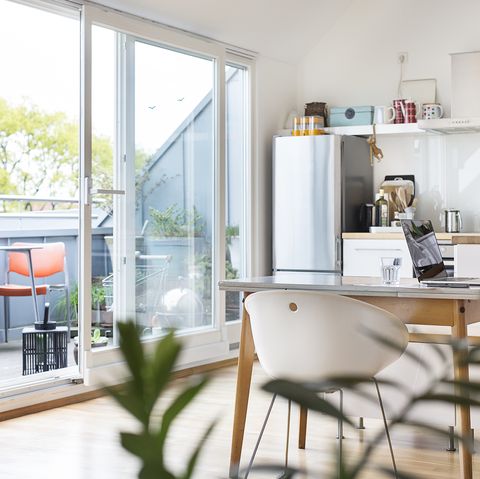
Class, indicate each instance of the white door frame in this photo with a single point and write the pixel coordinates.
(207, 344)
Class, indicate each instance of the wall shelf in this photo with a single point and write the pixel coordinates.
(366, 130)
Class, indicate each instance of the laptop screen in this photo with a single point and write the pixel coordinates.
(424, 250)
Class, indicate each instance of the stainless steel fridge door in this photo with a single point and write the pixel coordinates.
(307, 203)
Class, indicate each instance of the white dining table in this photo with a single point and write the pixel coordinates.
(410, 301)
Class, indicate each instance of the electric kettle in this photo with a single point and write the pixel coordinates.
(453, 221)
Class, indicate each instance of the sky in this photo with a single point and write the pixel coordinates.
(40, 58)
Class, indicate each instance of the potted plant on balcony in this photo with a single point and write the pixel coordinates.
(178, 232)
(232, 238)
(100, 314)
(96, 341)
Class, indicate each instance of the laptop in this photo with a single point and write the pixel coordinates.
(427, 258)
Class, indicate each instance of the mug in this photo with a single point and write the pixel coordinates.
(399, 107)
(411, 111)
(432, 111)
(381, 114)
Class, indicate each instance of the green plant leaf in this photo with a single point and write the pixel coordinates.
(305, 397)
(400, 475)
(159, 369)
(130, 401)
(347, 382)
(467, 386)
(449, 398)
(192, 462)
(96, 335)
(139, 445)
(467, 442)
(177, 406)
(393, 345)
(133, 353)
(287, 473)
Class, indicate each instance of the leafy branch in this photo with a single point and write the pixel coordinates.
(149, 378)
(440, 389)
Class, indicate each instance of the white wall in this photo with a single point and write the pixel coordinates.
(276, 95)
(355, 63)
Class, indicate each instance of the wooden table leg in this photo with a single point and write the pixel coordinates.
(244, 378)
(461, 371)
(302, 430)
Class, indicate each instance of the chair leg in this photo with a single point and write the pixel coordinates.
(250, 464)
(302, 431)
(6, 319)
(288, 436)
(361, 423)
(340, 436)
(387, 432)
(451, 439)
(68, 312)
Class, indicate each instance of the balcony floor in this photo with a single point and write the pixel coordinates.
(11, 359)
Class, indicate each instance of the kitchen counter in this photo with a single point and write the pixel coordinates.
(454, 238)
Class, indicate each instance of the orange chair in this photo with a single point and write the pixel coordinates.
(47, 261)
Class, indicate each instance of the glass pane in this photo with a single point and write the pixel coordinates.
(39, 166)
(103, 177)
(236, 142)
(174, 160)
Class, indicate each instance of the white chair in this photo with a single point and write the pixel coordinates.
(307, 336)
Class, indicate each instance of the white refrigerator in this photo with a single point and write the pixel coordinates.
(319, 184)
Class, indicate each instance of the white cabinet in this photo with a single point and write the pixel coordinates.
(362, 257)
(467, 260)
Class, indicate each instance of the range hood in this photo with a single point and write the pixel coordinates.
(465, 70)
(451, 126)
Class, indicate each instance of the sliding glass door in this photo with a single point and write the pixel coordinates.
(151, 188)
(173, 188)
(39, 186)
(145, 183)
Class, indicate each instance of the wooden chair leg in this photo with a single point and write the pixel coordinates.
(302, 432)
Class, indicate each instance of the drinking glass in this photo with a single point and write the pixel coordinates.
(390, 270)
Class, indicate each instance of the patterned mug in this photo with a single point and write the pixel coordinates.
(411, 111)
(432, 111)
(399, 107)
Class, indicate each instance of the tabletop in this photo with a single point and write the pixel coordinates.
(19, 249)
(351, 285)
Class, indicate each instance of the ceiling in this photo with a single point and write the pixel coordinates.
(280, 29)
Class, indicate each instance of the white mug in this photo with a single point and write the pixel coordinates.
(381, 114)
(432, 111)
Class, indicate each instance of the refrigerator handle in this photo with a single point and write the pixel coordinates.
(338, 252)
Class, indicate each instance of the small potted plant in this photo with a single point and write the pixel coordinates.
(100, 314)
(232, 238)
(96, 341)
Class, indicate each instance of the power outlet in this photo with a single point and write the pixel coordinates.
(402, 57)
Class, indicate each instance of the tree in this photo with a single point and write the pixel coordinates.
(39, 153)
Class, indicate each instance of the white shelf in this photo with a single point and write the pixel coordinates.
(365, 130)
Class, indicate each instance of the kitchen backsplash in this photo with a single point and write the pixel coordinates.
(446, 169)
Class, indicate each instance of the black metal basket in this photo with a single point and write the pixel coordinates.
(44, 350)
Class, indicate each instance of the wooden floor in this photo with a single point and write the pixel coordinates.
(81, 441)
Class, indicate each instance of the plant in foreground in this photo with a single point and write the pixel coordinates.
(149, 377)
(441, 389)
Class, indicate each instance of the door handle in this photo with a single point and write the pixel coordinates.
(88, 192)
(338, 251)
(386, 250)
(101, 191)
